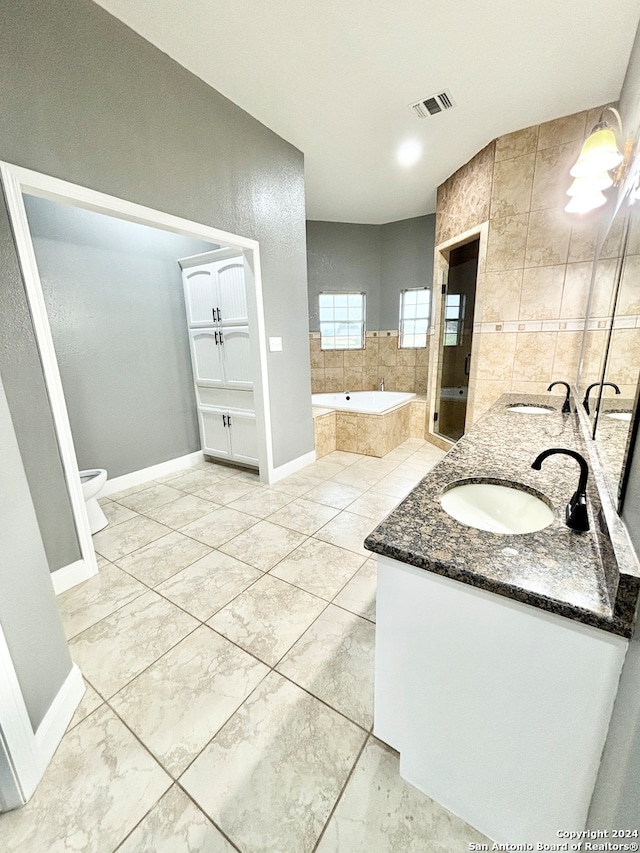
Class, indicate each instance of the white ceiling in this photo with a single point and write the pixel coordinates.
(334, 78)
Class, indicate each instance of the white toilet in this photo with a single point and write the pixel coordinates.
(92, 484)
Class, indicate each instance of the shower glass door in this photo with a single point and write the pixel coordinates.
(458, 305)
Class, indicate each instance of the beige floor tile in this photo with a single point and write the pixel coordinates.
(374, 505)
(229, 490)
(261, 502)
(176, 825)
(334, 494)
(123, 493)
(303, 516)
(347, 530)
(163, 558)
(268, 618)
(362, 476)
(297, 484)
(85, 805)
(116, 512)
(90, 601)
(196, 478)
(299, 753)
(219, 526)
(264, 545)
(379, 811)
(150, 498)
(359, 595)
(342, 457)
(183, 511)
(177, 705)
(396, 486)
(209, 584)
(122, 645)
(334, 660)
(318, 568)
(115, 542)
(88, 704)
(323, 469)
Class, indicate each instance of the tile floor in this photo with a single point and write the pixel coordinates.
(227, 645)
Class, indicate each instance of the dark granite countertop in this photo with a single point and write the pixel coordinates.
(575, 575)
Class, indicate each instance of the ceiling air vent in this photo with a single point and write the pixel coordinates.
(433, 105)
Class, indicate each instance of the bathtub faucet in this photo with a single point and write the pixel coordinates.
(346, 394)
(382, 384)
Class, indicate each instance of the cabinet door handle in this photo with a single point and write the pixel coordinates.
(224, 420)
(213, 311)
(215, 334)
(221, 338)
(219, 317)
(228, 420)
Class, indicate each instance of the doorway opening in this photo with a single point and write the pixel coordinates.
(456, 336)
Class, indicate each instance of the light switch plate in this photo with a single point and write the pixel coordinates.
(275, 344)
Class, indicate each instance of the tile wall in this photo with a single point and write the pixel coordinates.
(533, 282)
(362, 370)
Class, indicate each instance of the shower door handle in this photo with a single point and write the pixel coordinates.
(467, 364)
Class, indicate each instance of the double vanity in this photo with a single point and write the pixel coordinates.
(498, 651)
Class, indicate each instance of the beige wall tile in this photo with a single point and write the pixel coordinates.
(552, 178)
(613, 242)
(317, 381)
(494, 355)
(591, 370)
(548, 238)
(347, 432)
(522, 387)
(353, 359)
(533, 361)
(512, 182)
(353, 380)
(372, 435)
(406, 357)
(317, 355)
(334, 379)
(541, 293)
(569, 128)
(389, 375)
(582, 244)
(577, 279)
(325, 434)
(333, 359)
(370, 379)
(629, 295)
(567, 356)
(486, 392)
(517, 143)
(603, 287)
(507, 242)
(387, 352)
(417, 419)
(406, 379)
(624, 357)
(501, 296)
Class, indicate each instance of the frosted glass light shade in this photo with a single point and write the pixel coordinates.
(586, 202)
(599, 154)
(590, 184)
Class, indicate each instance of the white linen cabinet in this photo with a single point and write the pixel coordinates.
(220, 342)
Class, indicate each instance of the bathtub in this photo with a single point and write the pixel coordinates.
(365, 402)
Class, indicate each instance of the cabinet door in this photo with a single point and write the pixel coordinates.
(244, 444)
(200, 294)
(214, 432)
(207, 354)
(232, 295)
(236, 348)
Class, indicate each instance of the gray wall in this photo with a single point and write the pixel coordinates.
(617, 792)
(115, 303)
(28, 612)
(380, 260)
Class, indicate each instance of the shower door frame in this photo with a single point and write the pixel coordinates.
(17, 180)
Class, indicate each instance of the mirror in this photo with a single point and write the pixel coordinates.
(610, 359)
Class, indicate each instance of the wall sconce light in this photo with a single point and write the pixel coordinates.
(598, 156)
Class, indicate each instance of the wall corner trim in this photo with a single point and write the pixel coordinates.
(288, 468)
(56, 720)
(71, 575)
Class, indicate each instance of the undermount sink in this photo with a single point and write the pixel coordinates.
(524, 409)
(497, 507)
(619, 416)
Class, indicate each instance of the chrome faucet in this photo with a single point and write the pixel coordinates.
(382, 384)
(576, 516)
(585, 402)
(566, 408)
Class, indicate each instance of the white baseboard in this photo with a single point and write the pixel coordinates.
(55, 721)
(163, 469)
(68, 576)
(288, 468)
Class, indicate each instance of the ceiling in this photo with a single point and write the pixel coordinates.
(334, 78)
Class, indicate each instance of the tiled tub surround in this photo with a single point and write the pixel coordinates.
(210, 722)
(368, 434)
(554, 569)
(363, 370)
(511, 646)
(535, 261)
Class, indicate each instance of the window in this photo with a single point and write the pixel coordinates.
(415, 308)
(342, 320)
(453, 319)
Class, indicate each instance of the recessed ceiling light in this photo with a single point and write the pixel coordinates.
(409, 153)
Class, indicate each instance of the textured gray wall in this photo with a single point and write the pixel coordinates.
(617, 791)
(380, 260)
(115, 303)
(28, 612)
(86, 99)
(21, 372)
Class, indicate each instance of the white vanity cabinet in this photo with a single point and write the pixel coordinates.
(220, 341)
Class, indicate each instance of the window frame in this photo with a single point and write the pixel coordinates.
(324, 338)
(402, 319)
